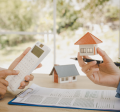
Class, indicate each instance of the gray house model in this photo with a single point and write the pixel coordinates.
(64, 73)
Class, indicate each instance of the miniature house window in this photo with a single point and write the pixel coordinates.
(89, 50)
(62, 79)
(66, 78)
(74, 78)
(83, 50)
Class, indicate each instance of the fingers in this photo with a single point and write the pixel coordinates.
(3, 90)
(92, 76)
(89, 69)
(88, 66)
(4, 82)
(23, 84)
(40, 65)
(1, 96)
(3, 86)
(26, 82)
(29, 78)
(103, 54)
(5, 73)
(17, 60)
(80, 60)
(24, 53)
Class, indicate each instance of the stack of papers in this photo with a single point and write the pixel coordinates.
(68, 98)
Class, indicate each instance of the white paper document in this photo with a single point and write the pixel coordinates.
(70, 98)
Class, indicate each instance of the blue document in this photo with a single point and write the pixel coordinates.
(103, 100)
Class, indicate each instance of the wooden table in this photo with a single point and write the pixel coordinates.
(47, 81)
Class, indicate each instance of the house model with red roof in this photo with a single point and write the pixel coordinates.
(88, 44)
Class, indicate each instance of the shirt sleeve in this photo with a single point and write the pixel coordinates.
(118, 91)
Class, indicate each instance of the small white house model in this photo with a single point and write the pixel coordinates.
(64, 73)
(88, 44)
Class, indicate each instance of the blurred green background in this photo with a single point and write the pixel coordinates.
(74, 19)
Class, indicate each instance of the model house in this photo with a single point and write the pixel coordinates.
(64, 73)
(88, 44)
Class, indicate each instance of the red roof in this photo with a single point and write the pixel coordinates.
(88, 38)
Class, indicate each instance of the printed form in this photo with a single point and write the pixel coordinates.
(73, 98)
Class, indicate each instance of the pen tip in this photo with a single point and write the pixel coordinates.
(74, 58)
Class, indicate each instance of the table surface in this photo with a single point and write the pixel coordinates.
(45, 80)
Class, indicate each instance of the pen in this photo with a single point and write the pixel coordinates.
(98, 61)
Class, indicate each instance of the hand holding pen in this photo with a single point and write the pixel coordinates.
(106, 73)
(98, 61)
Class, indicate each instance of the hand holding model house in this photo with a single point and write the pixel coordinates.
(68, 73)
(106, 73)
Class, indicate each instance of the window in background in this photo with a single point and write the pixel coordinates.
(77, 17)
(22, 23)
(26, 16)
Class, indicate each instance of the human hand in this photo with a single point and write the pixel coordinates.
(28, 77)
(106, 73)
(3, 82)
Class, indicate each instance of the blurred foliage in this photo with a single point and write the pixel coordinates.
(66, 16)
(69, 17)
(23, 15)
(112, 13)
(14, 39)
(37, 16)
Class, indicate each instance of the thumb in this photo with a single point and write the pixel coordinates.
(104, 56)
